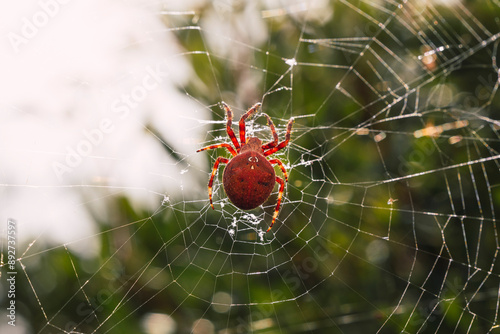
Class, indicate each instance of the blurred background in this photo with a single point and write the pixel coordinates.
(388, 221)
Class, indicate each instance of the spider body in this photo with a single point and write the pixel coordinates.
(249, 177)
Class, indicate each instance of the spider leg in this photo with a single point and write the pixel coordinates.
(242, 121)
(226, 145)
(273, 131)
(284, 142)
(229, 129)
(280, 194)
(280, 164)
(216, 165)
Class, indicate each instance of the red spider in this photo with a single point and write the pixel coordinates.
(249, 177)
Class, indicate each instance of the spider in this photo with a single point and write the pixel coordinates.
(249, 177)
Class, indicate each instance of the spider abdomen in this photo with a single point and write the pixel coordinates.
(248, 180)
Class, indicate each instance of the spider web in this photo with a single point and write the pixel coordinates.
(388, 221)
